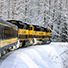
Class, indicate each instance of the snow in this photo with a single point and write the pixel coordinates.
(52, 55)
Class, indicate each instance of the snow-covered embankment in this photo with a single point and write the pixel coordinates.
(54, 55)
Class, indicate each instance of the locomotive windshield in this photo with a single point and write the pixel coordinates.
(36, 28)
(41, 29)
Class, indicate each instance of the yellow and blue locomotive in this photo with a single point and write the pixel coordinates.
(42, 34)
(25, 32)
(47, 35)
(31, 34)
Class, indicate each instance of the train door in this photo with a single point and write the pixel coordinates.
(31, 31)
(31, 34)
(48, 32)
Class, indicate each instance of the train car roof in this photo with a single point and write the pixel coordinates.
(8, 23)
(20, 22)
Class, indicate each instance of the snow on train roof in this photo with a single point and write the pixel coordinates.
(8, 23)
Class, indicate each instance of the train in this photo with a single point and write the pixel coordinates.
(13, 32)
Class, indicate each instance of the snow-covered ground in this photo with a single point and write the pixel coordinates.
(54, 55)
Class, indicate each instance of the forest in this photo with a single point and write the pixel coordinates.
(52, 14)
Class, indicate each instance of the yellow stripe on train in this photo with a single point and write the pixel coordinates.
(8, 42)
(26, 39)
(40, 33)
(23, 32)
(8, 26)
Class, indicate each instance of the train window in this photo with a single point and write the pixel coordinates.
(21, 26)
(9, 32)
(1, 32)
(50, 31)
(30, 28)
(42, 29)
(35, 28)
(38, 29)
(25, 27)
(47, 30)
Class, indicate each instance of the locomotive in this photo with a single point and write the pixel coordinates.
(42, 34)
(31, 34)
(25, 32)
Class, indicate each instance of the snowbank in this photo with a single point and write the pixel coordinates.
(39, 56)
